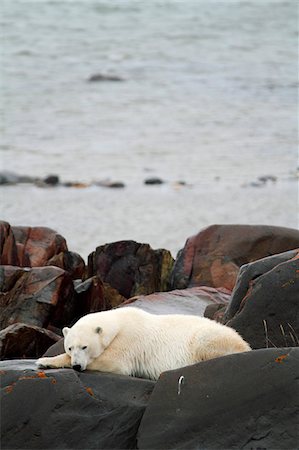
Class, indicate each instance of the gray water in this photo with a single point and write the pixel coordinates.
(209, 97)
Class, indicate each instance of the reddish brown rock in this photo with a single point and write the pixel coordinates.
(25, 341)
(8, 250)
(182, 301)
(131, 268)
(29, 246)
(213, 257)
(72, 262)
(36, 296)
(93, 295)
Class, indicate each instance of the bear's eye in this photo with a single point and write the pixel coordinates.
(70, 348)
(85, 347)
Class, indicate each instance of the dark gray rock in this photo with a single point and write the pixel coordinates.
(153, 180)
(264, 307)
(242, 401)
(104, 77)
(63, 409)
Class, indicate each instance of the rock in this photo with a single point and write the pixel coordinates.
(8, 248)
(213, 256)
(7, 177)
(51, 180)
(103, 410)
(240, 401)
(93, 295)
(110, 184)
(104, 77)
(26, 341)
(55, 349)
(186, 301)
(72, 262)
(153, 180)
(37, 296)
(131, 268)
(264, 305)
(29, 246)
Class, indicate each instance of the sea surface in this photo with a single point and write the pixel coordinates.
(209, 97)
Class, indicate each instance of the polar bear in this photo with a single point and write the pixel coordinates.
(130, 341)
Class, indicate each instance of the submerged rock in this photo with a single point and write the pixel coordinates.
(131, 268)
(213, 256)
(246, 400)
(104, 77)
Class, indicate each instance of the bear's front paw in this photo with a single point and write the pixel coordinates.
(44, 363)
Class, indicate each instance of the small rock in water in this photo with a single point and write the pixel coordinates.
(103, 77)
(110, 184)
(266, 178)
(154, 180)
(7, 177)
(52, 180)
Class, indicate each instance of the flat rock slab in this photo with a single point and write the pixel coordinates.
(63, 409)
(241, 401)
(181, 301)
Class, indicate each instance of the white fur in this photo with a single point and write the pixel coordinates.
(130, 341)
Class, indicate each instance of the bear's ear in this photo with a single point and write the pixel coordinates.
(65, 331)
(99, 330)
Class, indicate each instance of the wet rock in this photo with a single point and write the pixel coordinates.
(185, 301)
(52, 180)
(110, 184)
(93, 295)
(104, 77)
(7, 177)
(153, 180)
(131, 268)
(103, 410)
(72, 262)
(29, 246)
(213, 256)
(238, 401)
(25, 341)
(265, 303)
(38, 296)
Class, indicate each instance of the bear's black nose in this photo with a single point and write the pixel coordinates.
(77, 367)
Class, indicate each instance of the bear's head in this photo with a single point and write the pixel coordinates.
(84, 343)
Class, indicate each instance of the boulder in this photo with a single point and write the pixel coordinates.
(213, 256)
(264, 307)
(55, 409)
(25, 341)
(72, 262)
(131, 268)
(36, 296)
(93, 295)
(245, 400)
(181, 301)
(29, 246)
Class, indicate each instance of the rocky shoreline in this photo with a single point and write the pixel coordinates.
(244, 276)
